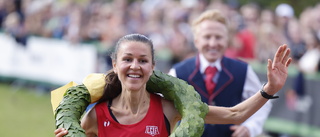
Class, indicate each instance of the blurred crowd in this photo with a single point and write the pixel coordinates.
(255, 32)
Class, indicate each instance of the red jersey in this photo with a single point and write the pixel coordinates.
(152, 125)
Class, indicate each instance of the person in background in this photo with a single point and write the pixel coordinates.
(269, 37)
(247, 33)
(230, 81)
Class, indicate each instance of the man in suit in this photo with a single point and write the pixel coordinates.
(233, 81)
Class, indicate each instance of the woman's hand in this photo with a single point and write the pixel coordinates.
(60, 132)
(278, 70)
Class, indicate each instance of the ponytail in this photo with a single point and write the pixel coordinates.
(112, 88)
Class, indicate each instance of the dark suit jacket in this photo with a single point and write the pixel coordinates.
(227, 93)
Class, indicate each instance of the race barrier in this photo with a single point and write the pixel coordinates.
(294, 113)
(46, 60)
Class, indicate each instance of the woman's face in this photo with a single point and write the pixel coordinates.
(133, 65)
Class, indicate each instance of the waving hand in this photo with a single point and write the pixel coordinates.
(278, 69)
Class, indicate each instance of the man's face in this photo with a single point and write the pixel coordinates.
(211, 39)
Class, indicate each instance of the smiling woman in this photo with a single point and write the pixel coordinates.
(126, 103)
(128, 109)
(133, 58)
(134, 65)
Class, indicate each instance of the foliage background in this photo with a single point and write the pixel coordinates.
(298, 5)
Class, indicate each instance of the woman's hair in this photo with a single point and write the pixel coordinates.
(133, 38)
(113, 85)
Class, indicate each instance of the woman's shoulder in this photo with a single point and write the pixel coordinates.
(170, 111)
(90, 114)
(164, 101)
(168, 106)
(89, 122)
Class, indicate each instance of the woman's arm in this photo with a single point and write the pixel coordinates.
(170, 112)
(237, 114)
(277, 75)
(89, 123)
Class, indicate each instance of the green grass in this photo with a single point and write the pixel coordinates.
(25, 113)
(279, 125)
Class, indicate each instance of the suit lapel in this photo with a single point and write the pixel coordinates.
(196, 79)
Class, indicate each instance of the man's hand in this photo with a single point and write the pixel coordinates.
(240, 131)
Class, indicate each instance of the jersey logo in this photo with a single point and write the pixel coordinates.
(106, 123)
(152, 130)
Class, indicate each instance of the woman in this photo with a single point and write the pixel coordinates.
(134, 111)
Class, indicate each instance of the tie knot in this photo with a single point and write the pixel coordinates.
(210, 70)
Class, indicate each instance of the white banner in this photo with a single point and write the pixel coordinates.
(46, 60)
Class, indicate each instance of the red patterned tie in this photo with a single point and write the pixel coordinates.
(210, 85)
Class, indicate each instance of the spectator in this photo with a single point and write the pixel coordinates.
(15, 28)
(268, 38)
(247, 33)
(3, 12)
(235, 80)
